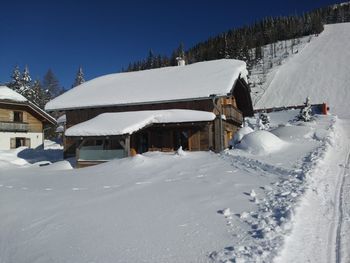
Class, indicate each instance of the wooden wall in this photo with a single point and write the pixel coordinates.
(6, 115)
(80, 115)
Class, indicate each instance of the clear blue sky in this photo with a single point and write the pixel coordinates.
(103, 36)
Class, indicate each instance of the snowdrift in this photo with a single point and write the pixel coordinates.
(261, 142)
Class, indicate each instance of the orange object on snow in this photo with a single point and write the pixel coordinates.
(325, 109)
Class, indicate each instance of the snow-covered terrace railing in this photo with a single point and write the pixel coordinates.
(232, 113)
(13, 126)
(87, 153)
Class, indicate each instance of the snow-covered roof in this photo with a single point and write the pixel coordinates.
(62, 119)
(9, 94)
(118, 123)
(197, 80)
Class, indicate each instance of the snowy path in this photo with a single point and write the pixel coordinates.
(321, 224)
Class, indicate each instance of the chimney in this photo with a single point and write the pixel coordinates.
(180, 61)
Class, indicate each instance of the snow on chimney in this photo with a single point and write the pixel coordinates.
(180, 61)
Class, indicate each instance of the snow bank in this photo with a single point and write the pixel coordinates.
(261, 142)
(197, 80)
(129, 122)
(240, 134)
(9, 94)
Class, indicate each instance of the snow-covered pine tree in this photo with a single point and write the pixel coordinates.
(40, 97)
(306, 112)
(263, 121)
(16, 83)
(26, 82)
(79, 79)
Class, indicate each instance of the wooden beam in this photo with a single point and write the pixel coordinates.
(127, 145)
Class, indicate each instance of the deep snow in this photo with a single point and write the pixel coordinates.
(158, 207)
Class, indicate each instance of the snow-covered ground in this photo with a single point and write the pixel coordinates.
(164, 207)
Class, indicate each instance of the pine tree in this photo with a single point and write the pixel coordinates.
(26, 82)
(305, 113)
(40, 96)
(263, 121)
(51, 85)
(79, 79)
(15, 83)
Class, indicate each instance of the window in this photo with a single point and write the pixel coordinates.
(19, 141)
(18, 116)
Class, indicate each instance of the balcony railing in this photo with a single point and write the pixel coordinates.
(232, 113)
(97, 153)
(14, 126)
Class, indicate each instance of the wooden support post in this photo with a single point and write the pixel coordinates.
(127, 145)
(77, 153)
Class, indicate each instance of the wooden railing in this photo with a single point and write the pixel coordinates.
(14, 126)
(232, 113)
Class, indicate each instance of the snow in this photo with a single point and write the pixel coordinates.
(198, 80)
(240, 134)
(320, 71)
(288, 203)
(9, 94)
(159, 207)
(321, 223)
(62, 119)
(129, 122)
(261, 142)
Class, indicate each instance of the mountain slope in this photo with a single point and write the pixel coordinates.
(320, 70)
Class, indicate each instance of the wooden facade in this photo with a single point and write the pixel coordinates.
(21, 122)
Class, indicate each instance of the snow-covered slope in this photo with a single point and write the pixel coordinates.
(321, 70)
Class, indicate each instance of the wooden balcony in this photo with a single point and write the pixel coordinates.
(232, 113)
(13, 126)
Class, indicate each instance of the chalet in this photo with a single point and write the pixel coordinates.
(21, 122)
(198, 106)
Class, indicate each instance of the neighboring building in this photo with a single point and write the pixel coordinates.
(21, 122)
(121, 114)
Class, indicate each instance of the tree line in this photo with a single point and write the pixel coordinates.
(246, 43)
(39, 92)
